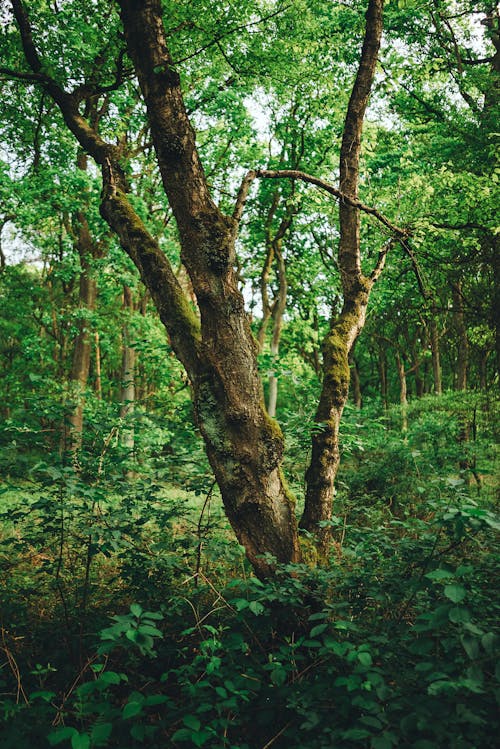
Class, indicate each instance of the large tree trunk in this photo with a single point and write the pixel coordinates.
(243, 444)
(325, 456)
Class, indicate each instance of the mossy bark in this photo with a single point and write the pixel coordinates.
(338, 343)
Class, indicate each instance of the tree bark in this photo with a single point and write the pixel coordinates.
(325, 455)
(98, 378)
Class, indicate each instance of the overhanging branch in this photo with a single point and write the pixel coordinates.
(398, 231)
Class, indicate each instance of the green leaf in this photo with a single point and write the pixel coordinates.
(192, 722)
(488, 642)
(256, 607)
(318, 629)
(278, 676)
(455, 592)
(136, 609)
(131, 709)
(365, 659)
(439, 575)
(356, 734)
(101, 732)
(182, 734)
(109, 677)
(61, 734)
(148, 629)
(153, 615)
(459, 615)
(156, 699)
(386, 741)
(470, 645)
(80, 741)
(42, 695)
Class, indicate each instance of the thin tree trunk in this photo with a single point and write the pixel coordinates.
(356, 384)
(462, 340)
(403, 397)
(98, 377)
(436, 357)
(266, 272)
(127, 375)
(80, 367)
(382, 373)
(278, 310)
(325, 454)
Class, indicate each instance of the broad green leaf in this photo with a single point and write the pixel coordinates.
(80, 741)
(131, 709)
(455, 592)
(136, 609)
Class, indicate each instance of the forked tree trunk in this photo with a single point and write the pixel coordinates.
(243, 444)
(337, 345)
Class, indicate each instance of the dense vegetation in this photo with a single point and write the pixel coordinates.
(157, 588)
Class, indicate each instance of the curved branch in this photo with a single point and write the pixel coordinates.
(327, 187)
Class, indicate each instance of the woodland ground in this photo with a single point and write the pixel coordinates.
(130, 617)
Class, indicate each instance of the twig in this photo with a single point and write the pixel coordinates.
(276, 736)
(15, 670)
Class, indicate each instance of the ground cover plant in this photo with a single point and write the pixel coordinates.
(135, 620)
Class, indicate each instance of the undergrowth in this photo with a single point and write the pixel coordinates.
(130, 617)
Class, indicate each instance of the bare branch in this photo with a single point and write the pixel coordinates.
(382, 255)
(327, 187)
(20, 76)
(242, 196)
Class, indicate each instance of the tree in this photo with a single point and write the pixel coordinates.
(214, 341)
